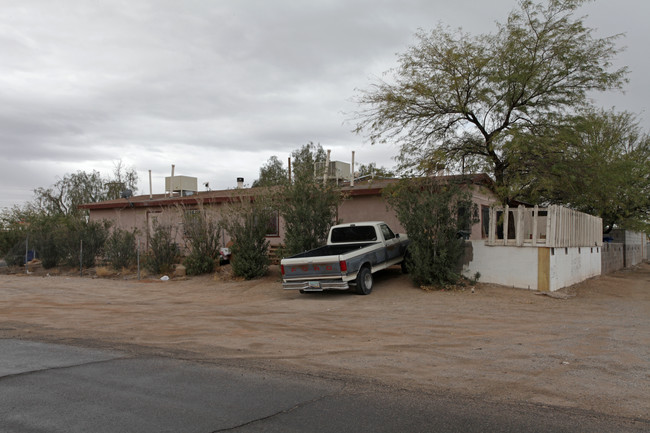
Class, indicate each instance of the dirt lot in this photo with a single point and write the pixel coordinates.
(590, 350)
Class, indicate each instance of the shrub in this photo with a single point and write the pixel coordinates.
(72, 232)
(120, 249)
(163, 251)
(202, 238)
(16, 255)
(308, 205)
(433, 214)
(250, 255)
(247, 222)
(12, 241)
(197, 264)
(46, 234)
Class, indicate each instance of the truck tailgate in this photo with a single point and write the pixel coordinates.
(315, 270)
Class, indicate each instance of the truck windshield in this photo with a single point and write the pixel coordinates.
(354, 234)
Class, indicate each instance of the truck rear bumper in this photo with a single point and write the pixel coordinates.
(315, 286)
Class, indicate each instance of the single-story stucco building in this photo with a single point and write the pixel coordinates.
(362, 201)
(533, 248)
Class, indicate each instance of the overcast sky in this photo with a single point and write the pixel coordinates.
(217, 87)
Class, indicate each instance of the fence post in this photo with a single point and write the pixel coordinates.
(137, 254)
(26, 254)
(506, 216)
(519, 225)
(81, 258)
(535, 216)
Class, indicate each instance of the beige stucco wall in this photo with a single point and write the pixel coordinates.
(142, 220)
(368, 208)
(374, 208)
(352, 209)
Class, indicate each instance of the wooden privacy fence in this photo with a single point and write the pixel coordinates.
(553, 226)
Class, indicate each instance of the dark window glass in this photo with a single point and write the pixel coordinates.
(354, 234)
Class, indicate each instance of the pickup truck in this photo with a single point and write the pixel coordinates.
(352, 254)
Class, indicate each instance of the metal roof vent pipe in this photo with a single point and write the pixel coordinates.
(240, 182)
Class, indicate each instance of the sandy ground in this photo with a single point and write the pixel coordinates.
(590, 350)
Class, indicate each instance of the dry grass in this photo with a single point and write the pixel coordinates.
(105, 272)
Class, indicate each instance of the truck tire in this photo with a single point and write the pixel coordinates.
(364, 281)
(404, 264)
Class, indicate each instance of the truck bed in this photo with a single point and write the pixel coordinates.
(331, 250)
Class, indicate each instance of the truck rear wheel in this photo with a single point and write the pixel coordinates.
(404, 264)
(364, 281)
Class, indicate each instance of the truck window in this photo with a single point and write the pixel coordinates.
(387, 232)
(354, 234)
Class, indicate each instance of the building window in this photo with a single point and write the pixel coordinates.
(273, 229)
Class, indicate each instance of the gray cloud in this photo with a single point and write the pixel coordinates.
(218, 87)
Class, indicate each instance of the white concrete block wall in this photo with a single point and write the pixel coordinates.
(518, 266)
(570, 266)
(508, 266)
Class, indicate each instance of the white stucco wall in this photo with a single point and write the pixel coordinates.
(518, 266)
(505, 265)
(573, 265)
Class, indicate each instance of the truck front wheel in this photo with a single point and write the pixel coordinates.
(364, 281)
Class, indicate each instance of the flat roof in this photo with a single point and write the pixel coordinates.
(361, 188)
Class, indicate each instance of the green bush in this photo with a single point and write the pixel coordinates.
(10, 239)
(120, 249)
(15, 256)
(46, 234)
(433, 214)
(247, 222)
(197, 264)
(308, 205)
(202, 238)
(250, 255)
(76, 237)
(163, 251)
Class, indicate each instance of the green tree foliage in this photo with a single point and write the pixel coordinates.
(247, 221)
(272, 173)
(53, 224)
(163, 250)
(202, 238)
(12, 247)
(308, 205)
(597, 162)
(64, 197)
(57, 240)
(81, 187)
(120, 248)
(76, 238)
(457, 99)
(372, 171)
(46, 236)
(433, 213)
(13, 231)
(308, 162)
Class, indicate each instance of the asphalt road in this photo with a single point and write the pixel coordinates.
(56, 388)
